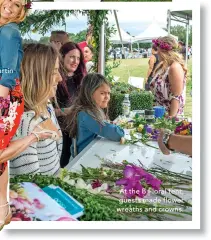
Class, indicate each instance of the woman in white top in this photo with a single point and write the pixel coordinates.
(39, 79)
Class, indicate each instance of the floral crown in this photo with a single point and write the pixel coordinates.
(27, 4)
(163, 45)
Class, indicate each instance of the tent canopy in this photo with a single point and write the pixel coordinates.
(126, 38)
(186, 14)
(152, 32)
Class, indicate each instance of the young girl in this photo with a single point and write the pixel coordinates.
(88, 115)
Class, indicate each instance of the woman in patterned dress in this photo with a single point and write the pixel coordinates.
(169, 81)
(12, 12)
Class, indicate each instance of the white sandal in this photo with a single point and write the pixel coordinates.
(7, 218)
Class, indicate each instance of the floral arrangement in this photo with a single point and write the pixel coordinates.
(143, 132)
(108, 188)
(161, 44)
(184, 128)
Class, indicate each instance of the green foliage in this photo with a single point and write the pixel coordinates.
(78, 37)
(139, 99)
(108, 70)
(44, 40)
(180, 32)
(96, 18)
(27, 41)
(97, 208)
(41, 21)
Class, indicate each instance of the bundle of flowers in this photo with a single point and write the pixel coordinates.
(184, 128)
(107, 191)
(143, 132)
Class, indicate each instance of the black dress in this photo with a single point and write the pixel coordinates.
(147, 88)
(65, 95)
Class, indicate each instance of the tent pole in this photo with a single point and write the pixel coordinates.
(187, 33)
(101, 60)
(120, 35)
(169, 21)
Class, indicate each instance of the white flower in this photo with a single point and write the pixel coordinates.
(80, 183)
(104, 187)
(69, 181)
(89, 186)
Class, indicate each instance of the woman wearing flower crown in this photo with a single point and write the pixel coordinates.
(12, 12)
(168, 83)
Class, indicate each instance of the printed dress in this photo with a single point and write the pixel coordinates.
(11, 112)
(161, 88)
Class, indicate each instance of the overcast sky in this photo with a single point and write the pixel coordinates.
(133, 21)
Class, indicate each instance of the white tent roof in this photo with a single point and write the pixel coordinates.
(126, 38)
(152, 32)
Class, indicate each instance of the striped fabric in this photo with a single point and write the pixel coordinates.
(40, 157)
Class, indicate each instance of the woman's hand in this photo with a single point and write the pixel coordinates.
(42, 134)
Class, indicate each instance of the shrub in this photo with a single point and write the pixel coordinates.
(139, 100)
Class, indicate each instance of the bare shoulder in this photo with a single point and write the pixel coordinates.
(175, 66)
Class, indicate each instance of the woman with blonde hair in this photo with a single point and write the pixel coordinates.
(39, 79)
(12, 12)
(168, 83)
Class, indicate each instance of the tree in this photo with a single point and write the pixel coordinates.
(26, 41)
(44, 40)
(180, 32)
(79, 37)
(41, 21)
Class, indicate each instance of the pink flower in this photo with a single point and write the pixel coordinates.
(131, 181)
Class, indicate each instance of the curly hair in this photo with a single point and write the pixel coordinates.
(169, 56)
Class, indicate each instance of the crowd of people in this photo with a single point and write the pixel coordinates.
(53, 104)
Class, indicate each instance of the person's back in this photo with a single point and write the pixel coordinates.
(89, 129)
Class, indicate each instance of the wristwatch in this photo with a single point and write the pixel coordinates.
(166, 137)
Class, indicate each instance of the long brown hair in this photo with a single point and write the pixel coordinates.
(85, 102)
(78, 74)
(36, 78)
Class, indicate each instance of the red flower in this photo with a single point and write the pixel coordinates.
(28, 5)
(96, 184)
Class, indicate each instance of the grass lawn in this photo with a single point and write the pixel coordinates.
(138, 68)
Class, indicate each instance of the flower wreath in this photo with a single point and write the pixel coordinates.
(163, 45)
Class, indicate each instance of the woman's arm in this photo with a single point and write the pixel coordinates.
(18, 146)
(109, 131)
(4, 91)
(10, 39)
(178, 143)
(61, 111)
(176, 78)
(151, 65)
